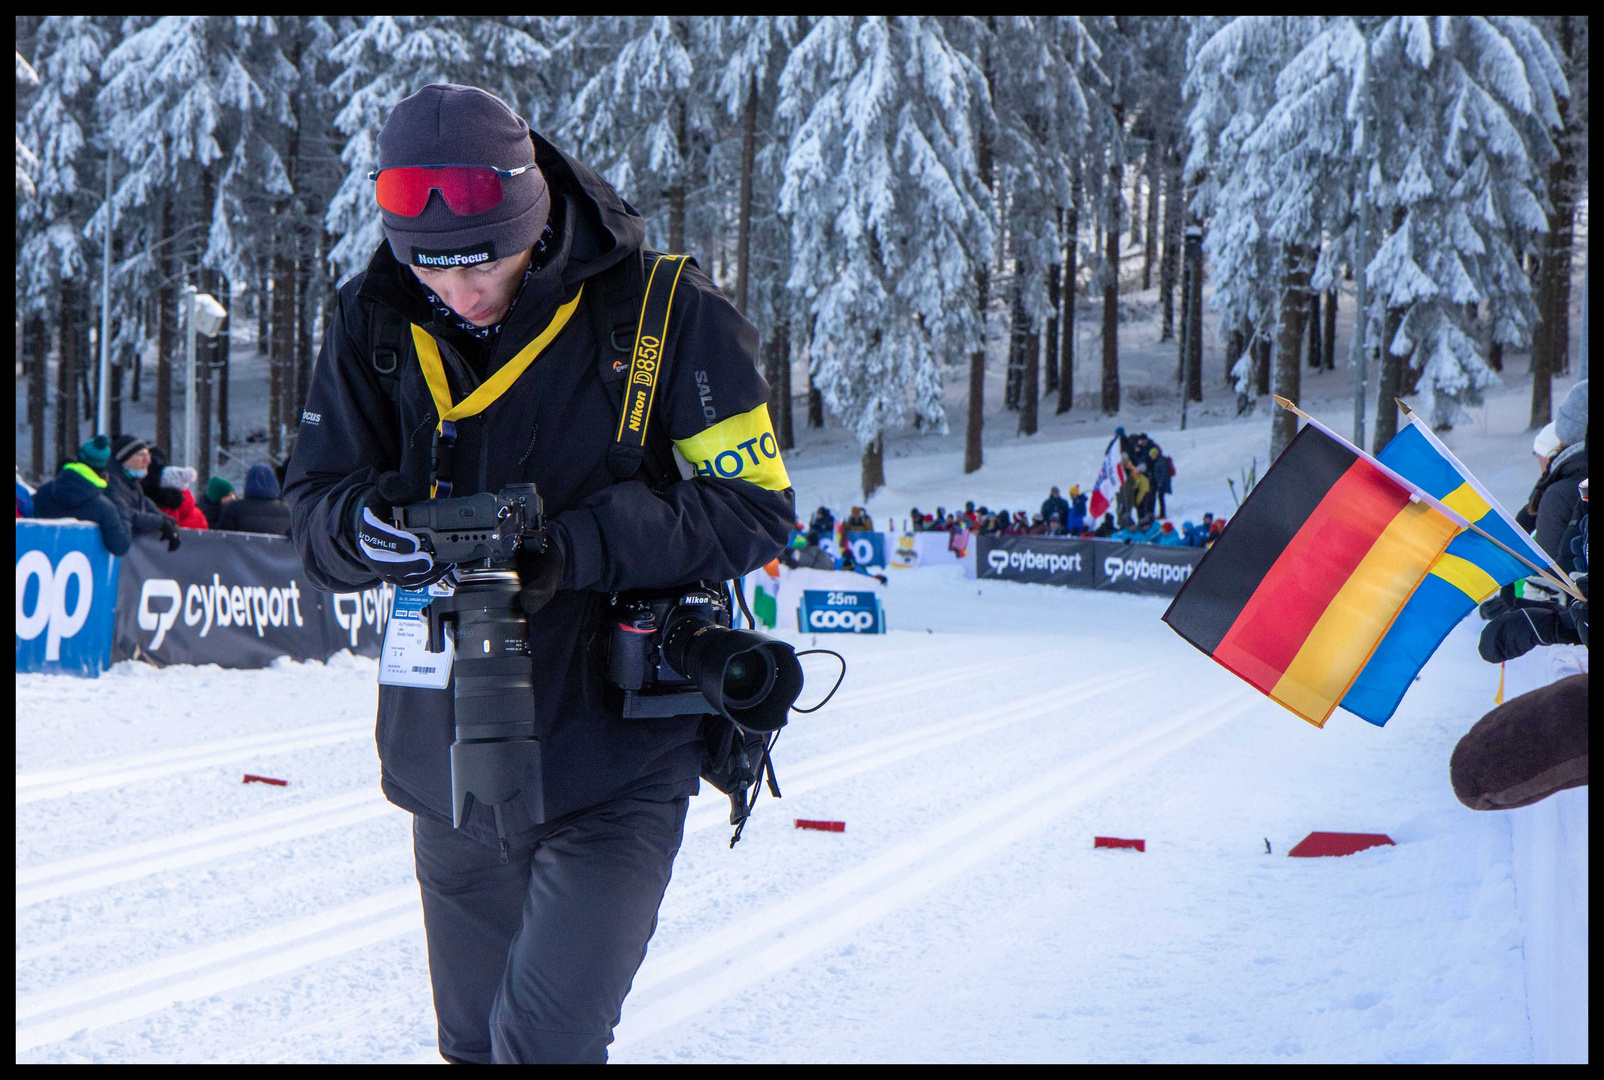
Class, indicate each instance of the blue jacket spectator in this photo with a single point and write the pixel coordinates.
(1076, 521)
(24, 498)
(1168, 537)
(80, 492)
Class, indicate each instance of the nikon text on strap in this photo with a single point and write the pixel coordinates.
(492, 388)
(645, 366)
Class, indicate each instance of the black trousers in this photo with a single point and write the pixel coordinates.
(530, 961)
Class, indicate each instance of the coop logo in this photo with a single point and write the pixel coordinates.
(52, 614)
(1019, 561)
(1139, 569)
(832, 619)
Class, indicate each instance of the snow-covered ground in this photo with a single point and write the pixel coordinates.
(168, 912)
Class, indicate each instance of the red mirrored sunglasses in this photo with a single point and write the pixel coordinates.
(467, 189)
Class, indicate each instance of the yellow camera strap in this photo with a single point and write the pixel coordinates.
(434, 374)
(645, 366)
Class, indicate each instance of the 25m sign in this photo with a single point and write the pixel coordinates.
(831, 611)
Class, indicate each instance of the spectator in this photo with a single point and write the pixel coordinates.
(130, 463)
(1159, 470)
(823, 522)
(218, 492)
(261, 510)
(79, 491)
(1106, 528)
(1565, 474)
(916, 523)
(810, 556)
(850, 565)
(25, 497)
(1038, 527)
(1055, 505)
(180, 479)
(858, 521)
(1075, 520)
(1168, 537)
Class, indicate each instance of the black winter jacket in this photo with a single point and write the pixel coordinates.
(250, 514)
(553, 427)
(143, 517)
(1561, 493)
(73, 495)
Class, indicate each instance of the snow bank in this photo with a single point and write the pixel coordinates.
(1550, 842)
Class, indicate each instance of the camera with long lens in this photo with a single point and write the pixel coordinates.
(675, 654)
(495, 756)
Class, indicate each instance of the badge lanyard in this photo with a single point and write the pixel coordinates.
(445, 432)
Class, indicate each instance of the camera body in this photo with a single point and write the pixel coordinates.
(475, 527)
(676, 654)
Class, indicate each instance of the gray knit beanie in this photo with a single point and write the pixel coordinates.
(1570, 423)
(444, 124)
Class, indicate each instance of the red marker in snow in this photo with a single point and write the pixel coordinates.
(822, 826)
(1116, 842)
(251, 778)
(1337, 843)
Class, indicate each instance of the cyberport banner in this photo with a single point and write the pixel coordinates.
(239, 600)
(66, 592)
(836, 612)
(1082, 563)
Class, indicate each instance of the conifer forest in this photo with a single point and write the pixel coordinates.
(881, 196)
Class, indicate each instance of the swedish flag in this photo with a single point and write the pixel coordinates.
(1469, 571)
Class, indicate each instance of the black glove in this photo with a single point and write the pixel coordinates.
(392, 552)
(1518, 632)
(169, 532)
(540, 571)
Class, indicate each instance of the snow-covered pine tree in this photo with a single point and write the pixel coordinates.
(888, 219)
(27, 160)
(56, 261)
(388, 57)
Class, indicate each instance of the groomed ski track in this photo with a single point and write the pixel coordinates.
(214, 921)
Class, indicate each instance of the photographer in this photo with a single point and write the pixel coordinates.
(515, 276)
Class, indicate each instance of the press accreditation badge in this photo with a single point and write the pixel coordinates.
(406, 661)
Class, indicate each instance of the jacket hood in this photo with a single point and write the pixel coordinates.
(73, 489)
(260, 483)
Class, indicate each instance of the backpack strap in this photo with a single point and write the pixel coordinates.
(389, 345)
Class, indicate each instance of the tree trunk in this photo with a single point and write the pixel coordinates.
(220, 354)
(1551, 346)
(772, 361)
(38, 344)
(1150, 247)
(1050, 380)
(743, 241)
(1170, 261)
(1261, 363)
(114, 403)
(1194, 317)
(1028, 406)
(1111, 303)
(874, 467)
(1495, 356)
(166, 326)
(1328, 337)
(1316, 325)
(782, 343)
(1235, 343)
(1390, 382)
(1066, 342)
(281, 362)
(1289, 337)
(264, 308)
(204, 349)
(1137, 202)
(66, 373)
(975, 420)
(1018, 332)
(676, 190)
(305, 319)
(815, 402)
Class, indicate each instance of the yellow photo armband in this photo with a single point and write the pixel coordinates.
(741, 447)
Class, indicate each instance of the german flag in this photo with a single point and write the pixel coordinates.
(1306, 579)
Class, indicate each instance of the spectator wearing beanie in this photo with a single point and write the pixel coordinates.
(79, 491)
(261, 510)
(130, 463)
(218, 491)
(179, 479)
(1565, 473)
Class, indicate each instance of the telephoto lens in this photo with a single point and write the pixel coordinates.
(496, 755)
(750, 678)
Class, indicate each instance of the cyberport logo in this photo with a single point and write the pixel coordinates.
(1001, 561)
(1139, 569)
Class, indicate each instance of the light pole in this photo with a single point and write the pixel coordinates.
(103, 411)
(204, 316)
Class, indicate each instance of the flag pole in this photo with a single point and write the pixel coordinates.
(1565, 585)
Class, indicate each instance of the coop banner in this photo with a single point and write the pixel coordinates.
(1082, 563)
(239, 600)
(868, 548)
(66, 592)
(833, 611)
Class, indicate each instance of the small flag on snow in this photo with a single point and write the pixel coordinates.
(252, 778)
(822, 826)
